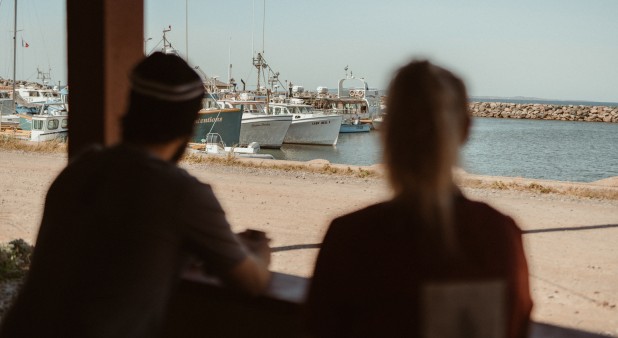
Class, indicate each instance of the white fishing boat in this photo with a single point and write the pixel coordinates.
(355, 104)
(259, 126)
(32, 94)
(47, 127)
(308, 126)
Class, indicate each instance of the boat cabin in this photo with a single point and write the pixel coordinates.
(49, 127)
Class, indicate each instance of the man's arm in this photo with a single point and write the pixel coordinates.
(251, 274)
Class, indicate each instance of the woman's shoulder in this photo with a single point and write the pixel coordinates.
(378, 210)
(483, 213)
(376, 216)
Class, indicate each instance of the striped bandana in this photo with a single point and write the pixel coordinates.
(165, 91)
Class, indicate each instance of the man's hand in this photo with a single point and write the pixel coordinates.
(252, 275)
(257, 243)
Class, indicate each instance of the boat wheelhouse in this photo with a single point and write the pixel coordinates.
(258, 125)
(308, 126)
(354, 104)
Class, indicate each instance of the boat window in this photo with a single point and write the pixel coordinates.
(33, 94)
(52, 124)
(37, 124)
(65, 123)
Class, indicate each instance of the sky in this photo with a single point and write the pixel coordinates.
(552, 49)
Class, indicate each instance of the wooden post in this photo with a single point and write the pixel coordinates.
(105, 40)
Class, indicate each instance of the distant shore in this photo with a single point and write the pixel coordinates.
(536, 111)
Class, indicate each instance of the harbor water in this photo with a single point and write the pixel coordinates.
(541, 149)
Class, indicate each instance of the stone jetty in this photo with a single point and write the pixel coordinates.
(545, 112)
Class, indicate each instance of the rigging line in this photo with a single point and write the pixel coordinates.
(252, 31)
(157, 45)
(36, 13)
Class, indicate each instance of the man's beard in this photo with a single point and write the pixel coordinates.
(179, 152)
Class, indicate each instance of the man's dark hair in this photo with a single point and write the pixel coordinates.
(166, 95)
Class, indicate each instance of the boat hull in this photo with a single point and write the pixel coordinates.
(267, 130)
(225, 122)
(354, 128)
(316, 130)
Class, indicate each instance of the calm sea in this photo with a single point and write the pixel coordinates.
(557, 150)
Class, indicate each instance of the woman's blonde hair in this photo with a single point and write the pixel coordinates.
(426, 121)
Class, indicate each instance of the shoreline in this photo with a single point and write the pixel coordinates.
(606, 188)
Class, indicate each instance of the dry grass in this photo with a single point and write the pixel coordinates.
(580, 190)
(8, 142)
(326, 168)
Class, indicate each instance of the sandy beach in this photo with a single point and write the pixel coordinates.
(570, 240)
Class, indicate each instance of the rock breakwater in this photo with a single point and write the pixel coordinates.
(545, 112)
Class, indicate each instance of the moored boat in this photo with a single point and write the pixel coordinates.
(213, 119)
(354, 128)
(259, 126)
(308, 127)
(353, 104)
(47, 127)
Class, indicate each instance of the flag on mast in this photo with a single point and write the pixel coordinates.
(24, 44)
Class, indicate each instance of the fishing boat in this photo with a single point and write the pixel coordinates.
(308, 126)
(214, 119)
(350, 127)
(26, 111)
(32, 94)
(354, 104)
(258, 125)
(48, 127)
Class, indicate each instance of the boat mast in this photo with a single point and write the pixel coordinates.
(263, 27)
(14, 53)
(187, 29)
(229, 61)
(253, 30)
(259, 61)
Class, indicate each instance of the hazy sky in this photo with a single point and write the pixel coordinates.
(557, 49)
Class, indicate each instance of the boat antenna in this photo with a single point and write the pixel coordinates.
(44, 77)
(166, 43)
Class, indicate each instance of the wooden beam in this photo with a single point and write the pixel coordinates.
(105, 40)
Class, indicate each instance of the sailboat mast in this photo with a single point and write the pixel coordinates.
(187, 29)
(14, 53)
(229, 61)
